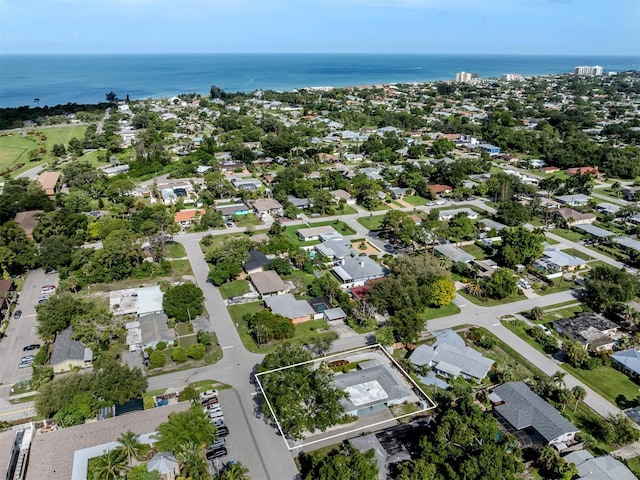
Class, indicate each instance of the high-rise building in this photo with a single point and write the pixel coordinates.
(511, 77)
(593, 71)
(463, 77)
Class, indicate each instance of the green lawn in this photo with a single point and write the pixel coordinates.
(415, 200)
(340, 227)
(305, 333)
(181, 268)
(476, 251)
(347, 210)
(577, 253)
(612, 384)
(371, 222)
(174, 250)
(634, 465)
(551, 241)
(216, 241)
(234, 289)
(568, 312)
(301, 280)
(568, 234)
(249, 220)
(516, 328)
(445, 311)
(490, 302)
(187, 341)
(183, 329)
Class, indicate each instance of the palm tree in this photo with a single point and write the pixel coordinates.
(445, 262)
(130, 445)
(579, 393)
(564, 397)
(36, 101)
(558, 378)
(477, 289)
(235, 471)
(110, 465)
(192, 460)
(548, 458)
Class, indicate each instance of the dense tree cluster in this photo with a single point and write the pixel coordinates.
(265, 326)
(608, 285)
(183, 302)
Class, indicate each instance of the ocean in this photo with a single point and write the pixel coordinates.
(59, 79)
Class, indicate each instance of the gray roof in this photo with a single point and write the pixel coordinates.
(256, 259)
(392, 386)
(268, 282)
(163, 463)
(444, 214)
(524, 408)
(629, 359)
(595, 231)
(628, 242)
(562, 259)
(608, 207)
(492, 224)
(65, 348)
(154, 328)
(576, 199)
(287, 306)
(358, 268)
(335, 248)
(599, 468)
(450, 355)
(454, 253)
(585, 322)
(335, 313)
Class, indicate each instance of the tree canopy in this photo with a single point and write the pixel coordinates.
(183, 302)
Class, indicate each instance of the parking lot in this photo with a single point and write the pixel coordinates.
(21, 331)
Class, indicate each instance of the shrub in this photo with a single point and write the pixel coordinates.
(179, 355)
(161, 345)
(196, 351)
(204, 338)
(157, 359)
(189, 393)
(147, 402)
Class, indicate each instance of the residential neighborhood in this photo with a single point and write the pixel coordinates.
(338, 270)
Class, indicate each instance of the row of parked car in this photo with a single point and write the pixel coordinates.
(211, 405)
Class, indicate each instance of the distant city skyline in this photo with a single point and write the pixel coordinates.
(547, 27)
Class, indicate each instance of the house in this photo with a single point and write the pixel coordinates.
(48, 181)
(255, 263)
(237, 209)
(69, 353)
(492, 225)
(7, 295)
(628, 243)
(573, 217)
(336, 249)
(450, 357)
(28, 221)
(154, 329)
(583, 171)
(356, 271)
(440, 189)
(298, 202)
(598, 468)
(563, 261)
(577, 200)
(269, 283)
(187, 217)
(521, 409)
(165, 464)
(547, 170)
(318, 233)
(397, 193)
(334, 314)
(246, 184)
(629, 193)
(595, 231)
(372, 388)
(490, 149)
(591, 330)
(537, 163)
(298, 311)
(268, 206)
(454, 253)
(608, 208)
(628, 361)
(343, 194)
(449, 214)
(136, 301)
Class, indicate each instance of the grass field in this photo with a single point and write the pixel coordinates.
(174, 250)
(612, 384)
(445, 311)
(372, 222)
(180, 268)
(415, 200)
(14, 148)
(577, 253)
(476, 251)
(234, 289)
(490, 302)
(568, 234)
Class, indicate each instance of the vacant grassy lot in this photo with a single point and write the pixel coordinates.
(371, 222)
(568, 234)
(612, 384)
(578, 253)
(445, 311)
(234, 289)
(415, 200)
(174, 250)
(249, 220)
(305, 333)
(301, 280)
(490, 302)
(476, 251)
(215, 241)
(181, 268)
(340, 227)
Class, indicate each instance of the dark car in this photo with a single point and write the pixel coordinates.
(33, 346)
(17, 314)
(218, 452)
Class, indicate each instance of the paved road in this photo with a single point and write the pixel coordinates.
(21, 332)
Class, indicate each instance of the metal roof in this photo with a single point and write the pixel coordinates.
(287, 306)
(595, 231)
(454, 253)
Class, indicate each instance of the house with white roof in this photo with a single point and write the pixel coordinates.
(356, 271)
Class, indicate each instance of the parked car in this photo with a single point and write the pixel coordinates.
(216, 443)
(17, 314)
(25, 363)
(218, 452)
(213, 407)
(42, 300)
(216, 414)
(33, 346)
(208, 394)
(48, 289)
(210, 401)
(222, 430)
(544, 329)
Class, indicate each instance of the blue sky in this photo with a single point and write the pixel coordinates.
(589, 27)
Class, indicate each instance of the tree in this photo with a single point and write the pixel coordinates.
(189, 394)
(183, 302)
(513, 213)
(117, 383)
(607, 286)
(502, 283)
(407, 324)
(536, 313)
(183, 427)
(235, 471)
(440, 291)
(157, 359)
(56, 314)
(579, 394)
(139, 472)
(111, 97)
(196, 351)
(520, 246)
(130, 445)
(110, 465)
(548, 458)
(384, 336)
(344, 463)
(265, 326)
(280, 265)
(558, 378)
(193, 464)
(179, 354)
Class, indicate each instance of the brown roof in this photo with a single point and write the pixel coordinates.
(48, 181)
(28, 221)
(268, 282)
(5, 287)
(188, 215)
(439, 188)
(568, 213)
(51, 454)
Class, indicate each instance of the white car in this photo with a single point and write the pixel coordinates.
(216, 414)
(213, 408)
(208, 394)
(48, 290)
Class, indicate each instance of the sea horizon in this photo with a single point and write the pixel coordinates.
(62, 78)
